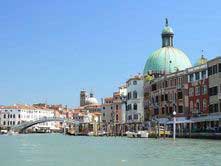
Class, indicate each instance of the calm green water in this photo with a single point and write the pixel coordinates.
(60, 150)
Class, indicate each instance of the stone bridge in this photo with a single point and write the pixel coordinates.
(23, 126)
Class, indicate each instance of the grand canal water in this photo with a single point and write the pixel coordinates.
(60, 150)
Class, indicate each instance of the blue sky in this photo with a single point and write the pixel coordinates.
(50, 50)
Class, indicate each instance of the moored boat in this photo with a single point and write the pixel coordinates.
(139, 134)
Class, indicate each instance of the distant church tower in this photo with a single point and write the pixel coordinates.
(83, 96)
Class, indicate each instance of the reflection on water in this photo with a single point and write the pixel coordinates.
(60, 150)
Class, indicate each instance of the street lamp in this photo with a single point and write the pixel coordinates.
(174, 125)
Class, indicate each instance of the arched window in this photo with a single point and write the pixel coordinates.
(135, 106)
(134, 94)
(197, 106)
(117, 117)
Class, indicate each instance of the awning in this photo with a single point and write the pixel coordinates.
(180, 120)
(206, 118)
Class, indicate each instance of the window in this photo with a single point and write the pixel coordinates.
(175, 82)
(213, 108)
(4, 123)
(171, 82)
(166, 97)
(197, 75)
(162, 97)
(157, 99)
(219, 67)
(19, 116)
(117, 117)
(129, 107)
(129, 95)
(210, 71)
(166, 84)
(213, 91)
(180, 95)
(153, 87)
(163, 110)
(197, 90)
(216, 108)
(11, 116)
(134, 94)
(204, 89)
(14, 116)
(129, 117)
(191, 91)
(117, 107)
(197, 106)
(214, 69)
(191, 77)
(203, 74)
(111, 107)
(180, 109)
(135, 106)
(180, 80)
(135, 82)
(135, 116)
(103, 114)
(4, 116)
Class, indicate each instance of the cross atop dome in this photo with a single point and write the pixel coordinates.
(166, 24)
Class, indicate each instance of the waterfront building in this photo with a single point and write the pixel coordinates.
(107, 115)
(135, 111)
(211, 120)
(113, 112)
(165, 81)
(89, 121)
(17, 114)
(167, 94)
(172, 84)
(198, 89)
(123, 97)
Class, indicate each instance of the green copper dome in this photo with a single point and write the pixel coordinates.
(167, 59)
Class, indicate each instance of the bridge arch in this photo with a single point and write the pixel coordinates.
(23, 126)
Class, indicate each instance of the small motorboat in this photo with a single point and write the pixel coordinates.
(102, 133)
(139, 134)
(142, 134)
(131, 134)
(91, 133)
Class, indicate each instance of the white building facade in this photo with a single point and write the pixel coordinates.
(135, 93)
(17, 114)
(123, 95)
